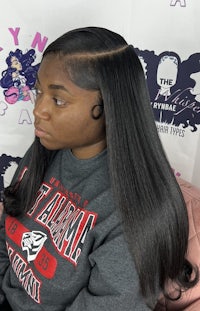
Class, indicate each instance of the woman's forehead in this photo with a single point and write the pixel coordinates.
(54, 75)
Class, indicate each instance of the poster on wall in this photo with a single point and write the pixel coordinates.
(168, 48)
(174, 87)
(18, 69)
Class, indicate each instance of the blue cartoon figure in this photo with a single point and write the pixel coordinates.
(20, 76)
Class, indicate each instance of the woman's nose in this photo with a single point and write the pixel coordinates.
(41, 109)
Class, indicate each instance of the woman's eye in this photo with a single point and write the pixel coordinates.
(59, 102)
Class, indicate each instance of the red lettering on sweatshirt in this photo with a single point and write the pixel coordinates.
(68, 225)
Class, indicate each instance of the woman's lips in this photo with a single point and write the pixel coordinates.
(40, 132)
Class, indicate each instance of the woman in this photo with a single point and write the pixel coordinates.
(94, 216)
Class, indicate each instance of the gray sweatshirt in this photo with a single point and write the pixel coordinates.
(68, 252)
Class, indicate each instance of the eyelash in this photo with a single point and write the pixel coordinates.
(58, 102)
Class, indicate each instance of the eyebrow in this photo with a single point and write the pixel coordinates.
(55, 86)
(58, 87)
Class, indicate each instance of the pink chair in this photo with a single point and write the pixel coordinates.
(190, 300)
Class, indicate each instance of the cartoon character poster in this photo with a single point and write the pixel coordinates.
(18, 70)
(174, 87)
(168, 48)
(19, 77)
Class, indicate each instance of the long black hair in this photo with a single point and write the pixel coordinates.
(152, 208)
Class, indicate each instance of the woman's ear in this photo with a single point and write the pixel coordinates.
(97, 111)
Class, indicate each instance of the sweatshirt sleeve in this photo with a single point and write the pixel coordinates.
(4, 259)
(113, 283)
